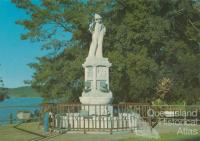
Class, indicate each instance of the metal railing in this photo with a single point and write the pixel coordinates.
(78, 117)
(116, 117)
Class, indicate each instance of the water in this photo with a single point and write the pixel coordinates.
(12, 105)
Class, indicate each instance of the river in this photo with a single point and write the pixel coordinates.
(11, 106)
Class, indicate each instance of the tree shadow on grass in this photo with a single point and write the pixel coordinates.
(193, 139)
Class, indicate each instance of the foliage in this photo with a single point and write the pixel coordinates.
(145, 41)
(163, 88)
(3, 90)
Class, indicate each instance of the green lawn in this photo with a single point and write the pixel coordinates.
(166, 137)
(8, 133)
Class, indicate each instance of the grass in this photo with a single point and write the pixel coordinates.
(8, 133)
(166, 137)
(172, 133)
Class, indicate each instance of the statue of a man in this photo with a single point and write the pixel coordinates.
(98, 31)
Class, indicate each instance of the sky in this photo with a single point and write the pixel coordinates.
(15, 54)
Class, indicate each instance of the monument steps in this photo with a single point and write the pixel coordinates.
(145, 130)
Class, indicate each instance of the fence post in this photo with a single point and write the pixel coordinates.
(150, 122)
(11, 118)
(131, 124)
(84, 125)
(46, 122)
(111, 126)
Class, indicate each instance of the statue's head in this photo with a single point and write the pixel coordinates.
(97, 18)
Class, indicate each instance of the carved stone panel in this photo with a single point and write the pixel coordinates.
(102, 73)
(89, 73)
(102, 86)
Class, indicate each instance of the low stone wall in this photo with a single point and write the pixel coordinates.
(74, 121)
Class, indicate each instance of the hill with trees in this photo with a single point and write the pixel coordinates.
(25, 91)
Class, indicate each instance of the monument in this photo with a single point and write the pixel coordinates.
(96, 90)
(96, 110)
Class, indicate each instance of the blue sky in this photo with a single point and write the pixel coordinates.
(15, 54)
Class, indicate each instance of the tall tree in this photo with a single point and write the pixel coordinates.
(3, 90)
(146, 41)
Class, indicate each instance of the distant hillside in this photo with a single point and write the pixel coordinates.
(22, 92)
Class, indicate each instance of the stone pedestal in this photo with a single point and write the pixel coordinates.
(96, 90)
(96, 110)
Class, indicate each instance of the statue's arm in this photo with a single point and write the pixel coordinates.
(104, 30)
(91, 26)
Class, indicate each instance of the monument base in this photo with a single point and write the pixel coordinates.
(98, 110)
(96, 97)
(97, 103)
